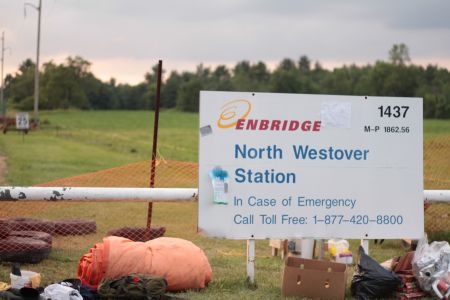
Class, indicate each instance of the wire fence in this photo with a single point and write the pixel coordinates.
(436, 164)
(31, 231)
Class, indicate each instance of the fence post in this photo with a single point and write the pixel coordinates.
(365, 245)
(155, 142)
(251, 261)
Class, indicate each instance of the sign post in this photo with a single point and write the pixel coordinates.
(22, 123)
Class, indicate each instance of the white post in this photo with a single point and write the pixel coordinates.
(365, 245)
(251, 261)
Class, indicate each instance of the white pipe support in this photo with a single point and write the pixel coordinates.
(251, 261)
(365, 245)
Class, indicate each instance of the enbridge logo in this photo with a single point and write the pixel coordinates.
(233, 114)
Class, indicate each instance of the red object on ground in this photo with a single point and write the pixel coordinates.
(180, 262)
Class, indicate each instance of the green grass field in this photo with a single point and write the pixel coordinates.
(76, 142)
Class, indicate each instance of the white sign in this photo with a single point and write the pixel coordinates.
(291, 166)
(22, 121)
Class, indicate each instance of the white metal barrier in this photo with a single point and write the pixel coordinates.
(97, 194)
(132, 194)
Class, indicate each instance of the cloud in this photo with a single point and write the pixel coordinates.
(418, 15)
(226, 31)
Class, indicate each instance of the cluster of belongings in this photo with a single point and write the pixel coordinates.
(119, 268)
(26, 285)
(133, 287)
(421, 273)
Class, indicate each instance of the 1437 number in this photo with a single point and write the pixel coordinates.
(393, 111)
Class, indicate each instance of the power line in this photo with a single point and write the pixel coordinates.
(2, 103)
(2, 88)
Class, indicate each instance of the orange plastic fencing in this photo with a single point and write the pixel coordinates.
(169, 174)
(436, 163)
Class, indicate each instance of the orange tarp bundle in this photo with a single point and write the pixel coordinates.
(180, 262)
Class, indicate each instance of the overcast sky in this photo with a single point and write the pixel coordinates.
(124, 38)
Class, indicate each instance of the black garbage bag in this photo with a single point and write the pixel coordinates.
(371, 280)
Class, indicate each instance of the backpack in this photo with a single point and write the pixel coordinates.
(133, 287)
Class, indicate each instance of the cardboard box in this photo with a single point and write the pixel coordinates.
(314, 278)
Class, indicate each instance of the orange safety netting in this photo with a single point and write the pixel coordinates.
(436, 166)
(169, 174)
(436, 163)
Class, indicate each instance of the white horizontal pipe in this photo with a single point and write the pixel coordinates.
(97, 194)
(436, 195)
(120, 194)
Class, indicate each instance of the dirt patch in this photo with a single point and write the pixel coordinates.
(2, 170)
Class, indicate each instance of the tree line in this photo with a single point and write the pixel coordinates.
(71, 84)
